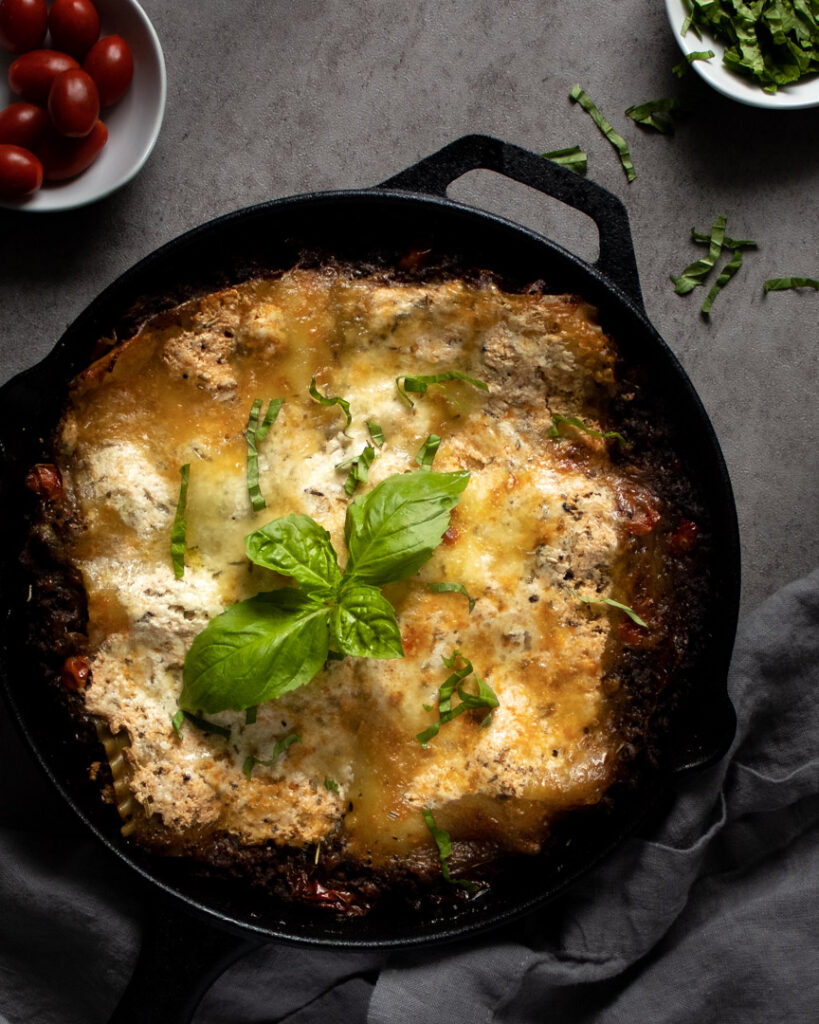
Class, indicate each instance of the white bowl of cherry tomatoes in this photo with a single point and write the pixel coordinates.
(82, 96)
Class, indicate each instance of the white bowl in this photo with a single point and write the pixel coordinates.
(133, 123)
(790, 97)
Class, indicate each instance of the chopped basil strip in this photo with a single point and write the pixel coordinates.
(774, 42)
(205, 726)
(317, 396)
(573, 421)
(250, 715)
(444, 844)
(781, 284)
(376, 433)
(579, 96)
(267, 645)
(725, 276)
(426, 453)
(331, 784)
(359, 468)
(680, 69)
(278, 749)
(420, 385)
(177, 722)
(484, 698)
(180, 526)
(256, 433)
(452, 588)
(573, 157)
(614, 604)
(728, 243)
(696, 272)
(658, 114)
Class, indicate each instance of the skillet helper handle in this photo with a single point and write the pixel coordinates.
(435, 173)
(181, 957)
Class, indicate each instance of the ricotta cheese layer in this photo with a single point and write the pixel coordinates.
(541, 525)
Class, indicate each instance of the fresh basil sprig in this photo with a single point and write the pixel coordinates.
(272, 643)
(484, 698)
(180, 526)
(420, 385)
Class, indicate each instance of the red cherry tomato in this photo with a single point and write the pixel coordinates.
(23, 124)
(31, 75)
(110, 64)
(74, 103)
(22, 24)
(21, 173)
(64, 158)
(74, 26)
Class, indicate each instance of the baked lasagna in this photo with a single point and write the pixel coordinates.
(533, 643)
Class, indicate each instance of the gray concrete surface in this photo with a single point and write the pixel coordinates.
(271, 98)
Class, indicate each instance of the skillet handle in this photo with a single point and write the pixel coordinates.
(181, 957)
(435, 173)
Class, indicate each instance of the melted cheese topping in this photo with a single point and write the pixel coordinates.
(537, 526)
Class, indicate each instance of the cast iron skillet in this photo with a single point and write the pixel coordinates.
(406, 210)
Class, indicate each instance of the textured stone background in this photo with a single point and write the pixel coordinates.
(271, 98)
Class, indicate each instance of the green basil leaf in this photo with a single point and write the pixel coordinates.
(680, 69)
(177, 721)
(427, 451)
(317, 396)
(255, 434)
(573, 421)
(614, 604)
(363, 623)
(579, 96)
(255, 651)
(452, 588)
(725, 276)
(331, 784)
(658, 114)
(297, 546)
(250, 715)
(781, 284)
(484, 698)
(444, 844)
(376, 433)
(205, 726)
(359, 468)
(420, 385)
(394, 529)
(696, 272)
(573, 157)
(180, 526)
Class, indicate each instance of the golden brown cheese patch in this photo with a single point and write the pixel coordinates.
(538, 524)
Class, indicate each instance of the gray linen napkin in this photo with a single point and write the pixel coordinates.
(710, 917)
